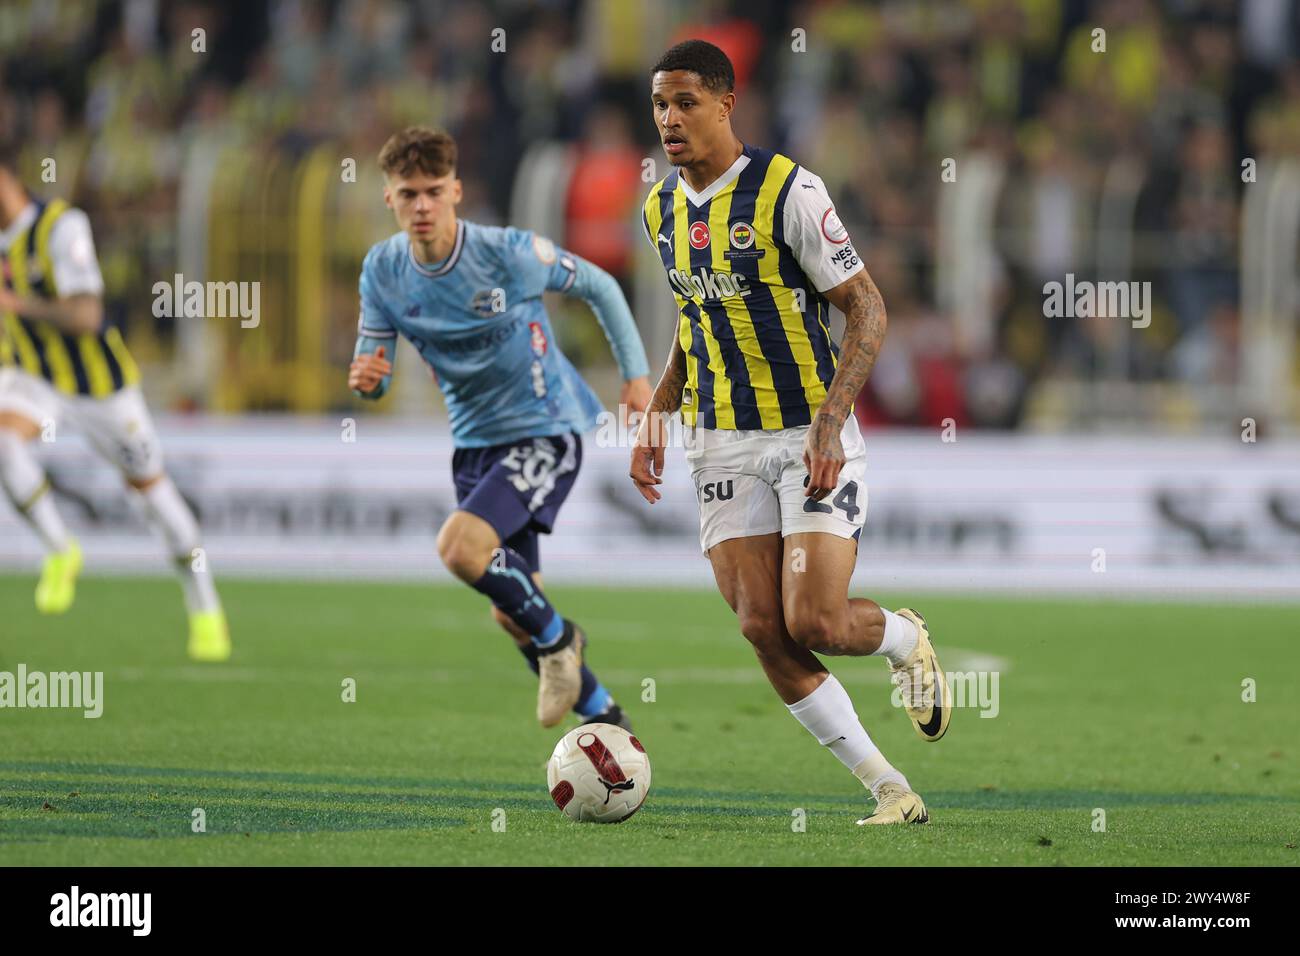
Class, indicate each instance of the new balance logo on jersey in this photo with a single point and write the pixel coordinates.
(720, 490)
(707, 285)
(489, 302)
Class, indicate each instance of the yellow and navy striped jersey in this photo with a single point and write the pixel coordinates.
(748, 260)
(96, 364)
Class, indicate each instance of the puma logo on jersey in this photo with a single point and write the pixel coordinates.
(665, 240)
(708, 285)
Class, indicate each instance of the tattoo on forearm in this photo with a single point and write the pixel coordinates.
(668, 393)
(864, 320)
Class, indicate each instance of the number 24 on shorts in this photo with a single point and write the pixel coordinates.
(846, 501)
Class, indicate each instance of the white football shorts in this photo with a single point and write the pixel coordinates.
(27, 395)
(118, 426)
(752, 482)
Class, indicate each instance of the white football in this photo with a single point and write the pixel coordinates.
(598, 773)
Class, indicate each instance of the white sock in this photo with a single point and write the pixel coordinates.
(876, 770)
(900, 638)
(827, 713)
(168, 512)
(24, 481)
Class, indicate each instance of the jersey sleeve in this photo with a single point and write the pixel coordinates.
(375, 320)
(72, 256)
(540, 264)
(375, 326)
(603, 296)
(544, 267)
(815, 235)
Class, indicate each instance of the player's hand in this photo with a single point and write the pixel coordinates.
(823, 456)
(634, 397)
(367, 371)
(648, 455)
(9, 301)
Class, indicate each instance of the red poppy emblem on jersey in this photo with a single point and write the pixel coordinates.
(832, 228)
(538, 338)
(699, 235)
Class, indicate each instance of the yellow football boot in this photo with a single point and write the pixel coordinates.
(209, 636)
(58, 584)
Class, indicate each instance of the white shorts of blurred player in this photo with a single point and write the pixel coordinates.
(118, 426)
(752, 482)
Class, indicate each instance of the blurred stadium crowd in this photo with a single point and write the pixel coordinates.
(1127, 160)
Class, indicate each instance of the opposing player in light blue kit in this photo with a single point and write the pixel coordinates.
(469, 298)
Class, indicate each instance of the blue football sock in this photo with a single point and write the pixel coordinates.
(594, 701)
(551, 633)
(509, 585)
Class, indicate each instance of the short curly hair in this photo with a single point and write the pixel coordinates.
(716, 73)
(418, 149)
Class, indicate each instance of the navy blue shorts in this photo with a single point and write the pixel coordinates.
(518, 487)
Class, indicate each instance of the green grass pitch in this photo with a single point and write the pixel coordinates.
(1133, 708)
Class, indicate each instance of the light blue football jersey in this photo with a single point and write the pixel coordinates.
(477, 319)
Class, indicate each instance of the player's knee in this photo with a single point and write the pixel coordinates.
(761, 628)
(460, 554)
(815, 630)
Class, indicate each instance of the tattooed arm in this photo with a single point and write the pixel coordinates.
(652, 435)
(864, 320)
(667, 397)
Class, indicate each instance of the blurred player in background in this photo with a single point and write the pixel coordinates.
(58, 360)
(469, 298)
(755, 255)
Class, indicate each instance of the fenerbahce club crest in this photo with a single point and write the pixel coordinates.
(742, 242)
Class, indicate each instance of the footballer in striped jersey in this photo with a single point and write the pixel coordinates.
(755, 256)
(59, 361)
